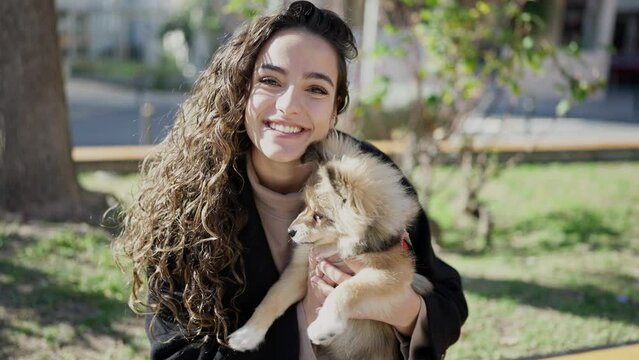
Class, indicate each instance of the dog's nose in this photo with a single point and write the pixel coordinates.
(291, 232)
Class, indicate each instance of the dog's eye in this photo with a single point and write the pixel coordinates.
(317, 217)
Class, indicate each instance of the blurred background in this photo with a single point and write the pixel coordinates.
(145, 55)
(516, 120)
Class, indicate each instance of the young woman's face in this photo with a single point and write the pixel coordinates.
(292, 99)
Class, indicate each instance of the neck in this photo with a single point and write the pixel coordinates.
(283, 178)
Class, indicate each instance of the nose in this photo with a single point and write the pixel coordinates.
(291, 233)
(288, 102)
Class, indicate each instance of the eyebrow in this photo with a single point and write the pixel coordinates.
(309, 75)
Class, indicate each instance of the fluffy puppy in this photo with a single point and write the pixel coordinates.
(356, 207)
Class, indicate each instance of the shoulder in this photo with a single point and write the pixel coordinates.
(369, 148)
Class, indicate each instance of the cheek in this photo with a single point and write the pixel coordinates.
(257, 103)
(323, 117)
(249, 122)
(256, 109)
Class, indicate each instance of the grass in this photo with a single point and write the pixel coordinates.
(524, 306)
(563, 273)
(63, 297)
(539, 208)
(123, 187)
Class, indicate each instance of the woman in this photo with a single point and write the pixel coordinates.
(207, 235)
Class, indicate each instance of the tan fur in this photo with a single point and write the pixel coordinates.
(356, 207)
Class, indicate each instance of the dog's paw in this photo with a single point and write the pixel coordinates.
(246, 338)
(323, 330)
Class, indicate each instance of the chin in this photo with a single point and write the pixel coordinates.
(283, 158)
(282, 155)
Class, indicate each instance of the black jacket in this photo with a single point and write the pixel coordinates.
(446, 305)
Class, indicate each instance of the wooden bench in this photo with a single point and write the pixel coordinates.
(127, 158)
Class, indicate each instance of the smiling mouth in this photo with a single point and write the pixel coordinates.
(284, 128)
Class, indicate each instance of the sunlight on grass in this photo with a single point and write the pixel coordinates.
(544, 207)
(64, 289)
(562, 275)
(123, 187)
(520, 306)
(563, 272)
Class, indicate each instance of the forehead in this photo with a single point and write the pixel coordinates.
(297, 50)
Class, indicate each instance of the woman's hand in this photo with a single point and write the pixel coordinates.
(320, 284)
(326, 274)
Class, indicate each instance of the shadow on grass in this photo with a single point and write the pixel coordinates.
(550, 232)
(577, 226)
(34, 294)
(5, 345)
(580, 351)
(583, 301)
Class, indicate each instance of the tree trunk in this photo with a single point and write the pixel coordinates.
(37, 175)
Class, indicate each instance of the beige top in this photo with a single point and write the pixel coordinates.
(277, 211)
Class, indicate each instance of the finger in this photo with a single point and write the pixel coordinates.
(311, 259)
(318, 290)
(332, 272)
(354, 264)
(312, 263)
(321, 289)
(325, 277)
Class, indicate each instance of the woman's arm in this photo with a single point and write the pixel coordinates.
(439, 324)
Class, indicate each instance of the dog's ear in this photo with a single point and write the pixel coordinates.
(338, 182)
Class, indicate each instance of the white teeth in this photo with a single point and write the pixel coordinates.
(284, 128)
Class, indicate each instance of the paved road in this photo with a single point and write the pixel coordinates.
(104, 114)
(607, 118)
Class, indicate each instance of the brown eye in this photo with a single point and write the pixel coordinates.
(269, 81)
(317, 217)
(318, 90)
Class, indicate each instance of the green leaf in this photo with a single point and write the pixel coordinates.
(425, 15)
(483, 7)
(390, 29)
(573, 49)
(448, 98)
(399, 52)
(433, 101)
(563, 107)
(380, 50)
(527, 42)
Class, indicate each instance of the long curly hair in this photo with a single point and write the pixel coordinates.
(181, 233)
